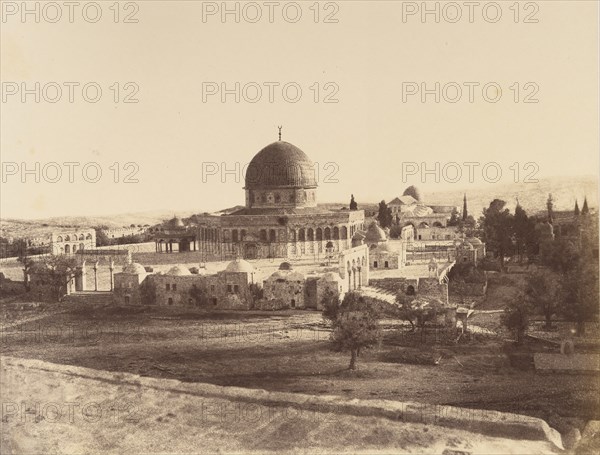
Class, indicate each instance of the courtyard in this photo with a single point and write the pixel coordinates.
(289, 351)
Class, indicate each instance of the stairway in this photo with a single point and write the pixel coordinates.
(89, 297)
(379, 294)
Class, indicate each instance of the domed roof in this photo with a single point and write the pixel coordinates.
(330, 276)
(375, 234)
(474, 241)
(384, 246)
(134, 268)
(280, 164)
(239, 266)
(285, 266)
(178, 270)
(175, 222)
(287, 275)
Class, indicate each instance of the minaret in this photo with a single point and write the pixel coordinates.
(465, 212)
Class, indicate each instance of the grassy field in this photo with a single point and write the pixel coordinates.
(290, 351)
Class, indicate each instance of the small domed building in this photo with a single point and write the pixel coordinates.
(127, 283)
(280, 218)
(285, 287)
(382, 255)
(174, 232)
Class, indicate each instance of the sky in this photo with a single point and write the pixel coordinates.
(167, 132)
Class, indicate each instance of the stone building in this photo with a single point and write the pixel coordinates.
(174, 233)
(280, 218)
(228, 289)
(286, 286)
(381, 254)
(70, 242)
(127, 283)
(470, 250)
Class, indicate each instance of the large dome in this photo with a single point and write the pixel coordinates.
(280, 165)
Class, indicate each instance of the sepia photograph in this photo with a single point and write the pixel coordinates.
(299, 227)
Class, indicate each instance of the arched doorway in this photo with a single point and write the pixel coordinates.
(250, 251)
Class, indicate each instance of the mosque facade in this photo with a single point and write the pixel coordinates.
(281, 218)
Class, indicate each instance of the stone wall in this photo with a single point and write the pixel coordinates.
(225, 290)
(287, 287)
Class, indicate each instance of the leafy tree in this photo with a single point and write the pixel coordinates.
(497, 224)
(550, 208)
(544, 291)
(516, 317)
(561, 256)
(418, 311)
(405, 311)
(468, 226)
(354, 323)
(454, 218)
(412, 191)
(580, 285)
(524, 233)
(27, 263)
(102, 239)
(148, 292)
(385, 215)
(256, 293)
(57, 270)
(353, 204)
(585, 209)
(200, 296)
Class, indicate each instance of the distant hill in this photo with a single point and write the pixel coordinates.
(39, 228)
(532, 197)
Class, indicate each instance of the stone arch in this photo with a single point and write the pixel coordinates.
(311, 234)
(410, 290)
(88, 237)
(67, 249)
(302, 235)
(74, 248)
(336, 233)
(59, 239)
(327, 233)
(81, 237)
(344, 232)
(319, 234)
(292, 235)
(81, 246)
(424, 225)
(67, 238)
(437, 224)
